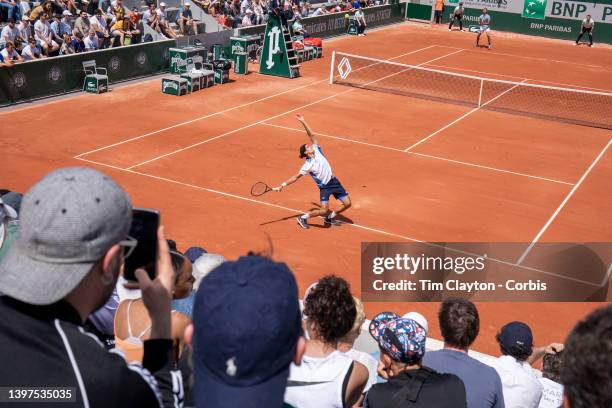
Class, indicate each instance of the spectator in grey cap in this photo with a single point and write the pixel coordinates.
(62, 266)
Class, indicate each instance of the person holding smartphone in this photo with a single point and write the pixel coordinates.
(133, 323)
(64, 265)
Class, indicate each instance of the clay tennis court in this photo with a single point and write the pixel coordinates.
(415, 169)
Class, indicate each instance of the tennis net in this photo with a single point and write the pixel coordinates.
(581, 107)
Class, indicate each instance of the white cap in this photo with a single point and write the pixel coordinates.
(249, 11)
(125, 293)
(419, 318)
(66, 13)
(205, 265)
(187, 4)
(162, 4)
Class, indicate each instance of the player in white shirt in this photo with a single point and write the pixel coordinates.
(587, 26)
(321, 172)
(484, 22)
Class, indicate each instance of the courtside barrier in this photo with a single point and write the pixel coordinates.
(63, 74)
(334, 24)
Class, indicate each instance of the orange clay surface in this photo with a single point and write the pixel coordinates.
(488, 177)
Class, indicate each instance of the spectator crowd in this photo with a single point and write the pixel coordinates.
(245, 13)
(208, 332)
(63, 27)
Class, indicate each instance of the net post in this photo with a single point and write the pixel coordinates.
(480, 94)
(331, 69)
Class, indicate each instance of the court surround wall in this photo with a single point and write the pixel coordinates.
(63, 74)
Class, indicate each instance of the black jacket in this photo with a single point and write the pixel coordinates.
(45, 346)
(424, 388)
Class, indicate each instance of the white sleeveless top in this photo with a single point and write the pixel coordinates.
(317, 382)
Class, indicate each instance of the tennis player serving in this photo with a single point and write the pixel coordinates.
(321, 172)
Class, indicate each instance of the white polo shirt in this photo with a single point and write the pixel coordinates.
(318, 167)
(42, 31)
(519, 382)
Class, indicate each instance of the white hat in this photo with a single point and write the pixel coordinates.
(66, 13)
(249, 11)
(419, 318)
(162, 4)
(187, 4)
(204, 265)
(125, 293)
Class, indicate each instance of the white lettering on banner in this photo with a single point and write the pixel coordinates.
(576, 10)
(273, 46)
(549, 27)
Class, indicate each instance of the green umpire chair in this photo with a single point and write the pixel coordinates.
(96, 79)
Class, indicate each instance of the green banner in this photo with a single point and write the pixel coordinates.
(59, 75)
(274, 58)
(534, 9)
(551, 27)
(334, 24)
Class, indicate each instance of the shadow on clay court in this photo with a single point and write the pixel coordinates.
(339, 217)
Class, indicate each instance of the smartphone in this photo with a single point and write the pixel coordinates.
(145, 223)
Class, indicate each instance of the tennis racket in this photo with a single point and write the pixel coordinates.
(260, 188)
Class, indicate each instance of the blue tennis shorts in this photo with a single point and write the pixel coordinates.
(333, 187)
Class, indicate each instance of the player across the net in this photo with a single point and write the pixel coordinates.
(577, 106)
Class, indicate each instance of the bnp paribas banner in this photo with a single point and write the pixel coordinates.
(546, 18)
(600, 10)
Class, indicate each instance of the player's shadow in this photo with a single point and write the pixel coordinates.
(339, 217)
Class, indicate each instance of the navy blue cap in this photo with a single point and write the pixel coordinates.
(246, 326)
(193, 253)
(13, 199)
(516, 339)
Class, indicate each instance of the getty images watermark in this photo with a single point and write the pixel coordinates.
(486, 271)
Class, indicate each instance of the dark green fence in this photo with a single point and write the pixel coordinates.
(330, 25)
(58, 75)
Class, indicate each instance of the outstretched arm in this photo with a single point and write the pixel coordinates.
(284, 184)
(539, 352)
(311, 135)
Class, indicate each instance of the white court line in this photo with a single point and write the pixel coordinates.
(363, 227)
(336, 137)
(196, 119)
(461, 117)
(278, 115)
(422, 155)
(558, 210)
(518, 77)
(526, 57)
(228, 109)
(239, 197)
